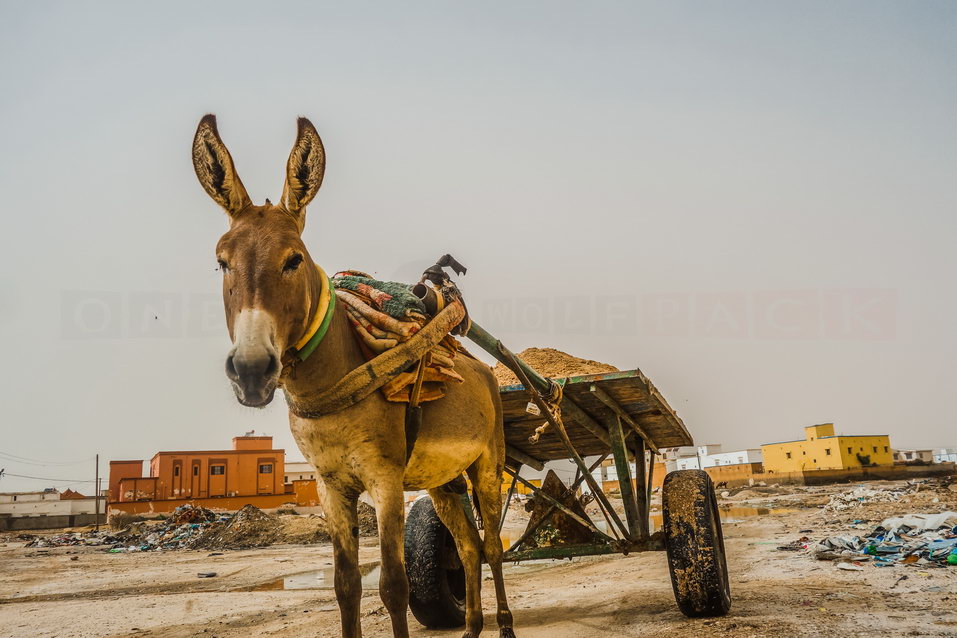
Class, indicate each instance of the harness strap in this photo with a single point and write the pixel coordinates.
(372, 375)
(413, 411)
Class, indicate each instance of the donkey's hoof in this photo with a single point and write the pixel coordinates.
(506, 632)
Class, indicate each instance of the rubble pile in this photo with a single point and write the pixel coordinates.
(249, 527)
(192, 527)
(179, 531)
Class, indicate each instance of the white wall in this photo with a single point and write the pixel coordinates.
(734, 458)
(565, 469)
(29, 497)
(298, 471)
(945, 455)
(51, 507)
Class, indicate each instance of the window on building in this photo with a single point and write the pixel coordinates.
(217, 470)
(813, 460)
(265, 468)
(285, 479)
(176, 470)
(803, 453)
(875, 448)
(827, 451)
(14, 497)
(885, 449)
(862, 449)
(849, 450)
(789, 454)
(195, 470)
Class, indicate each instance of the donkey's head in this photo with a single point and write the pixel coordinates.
(271, 286)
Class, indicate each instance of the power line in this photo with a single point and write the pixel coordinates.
(29, 461)
(47, 478)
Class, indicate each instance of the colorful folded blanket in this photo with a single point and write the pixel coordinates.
(383, 315)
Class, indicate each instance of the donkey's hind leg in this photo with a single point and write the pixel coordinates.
(486, 477)
(449, 508)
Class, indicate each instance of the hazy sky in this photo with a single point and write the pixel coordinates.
(752, 201)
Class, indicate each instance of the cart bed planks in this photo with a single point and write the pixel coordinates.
(582, 411)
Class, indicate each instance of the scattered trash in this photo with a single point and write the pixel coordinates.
(929, 489)
(795, 546)
(920, 522)
(848, 567)
(206, 575)
(924, 539)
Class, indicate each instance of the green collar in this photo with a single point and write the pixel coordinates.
(320, 323)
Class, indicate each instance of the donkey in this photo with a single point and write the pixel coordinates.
(271, 291)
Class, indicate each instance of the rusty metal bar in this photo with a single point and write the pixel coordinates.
(605, 398)
(654, 543)
(524, 458)
(628, 496)
(537, 490)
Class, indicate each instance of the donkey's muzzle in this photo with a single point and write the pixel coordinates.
(254, 373)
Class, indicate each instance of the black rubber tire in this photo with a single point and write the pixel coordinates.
(436, 576)
(695, 544)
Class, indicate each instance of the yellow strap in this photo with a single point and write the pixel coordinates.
(324, 298)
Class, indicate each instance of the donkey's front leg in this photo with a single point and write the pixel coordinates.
(340, 510)
(393, 583)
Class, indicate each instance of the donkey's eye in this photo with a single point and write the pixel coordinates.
(223, 266)
(292, 263)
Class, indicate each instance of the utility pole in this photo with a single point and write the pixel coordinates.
(96, 487)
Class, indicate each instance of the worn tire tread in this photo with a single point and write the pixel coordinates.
(695, 544)
(430, 596)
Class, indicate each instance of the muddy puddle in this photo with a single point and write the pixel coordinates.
(325, 578)
(316, 579)
(729, 514)
(732, 514)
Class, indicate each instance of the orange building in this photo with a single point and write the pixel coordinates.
(250, 473)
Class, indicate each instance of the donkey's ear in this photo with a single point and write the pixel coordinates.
(215, 169)
(305, 168)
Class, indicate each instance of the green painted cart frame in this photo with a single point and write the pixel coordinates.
(616, 414)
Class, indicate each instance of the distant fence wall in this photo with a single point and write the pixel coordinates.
(745, 473)
(879, 472)
(58, 521)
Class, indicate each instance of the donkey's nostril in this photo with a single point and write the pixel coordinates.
(231, 369)
(273, 366)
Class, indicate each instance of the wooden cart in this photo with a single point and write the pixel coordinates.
(619, 415)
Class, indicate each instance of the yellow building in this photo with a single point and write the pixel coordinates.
(821, 449)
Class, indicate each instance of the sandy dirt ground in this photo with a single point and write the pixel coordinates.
(83, 591)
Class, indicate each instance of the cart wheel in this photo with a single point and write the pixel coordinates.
(695, 545)
(436, 576)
